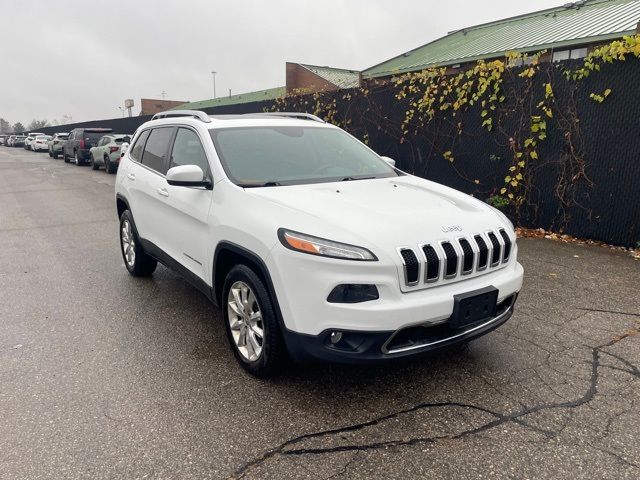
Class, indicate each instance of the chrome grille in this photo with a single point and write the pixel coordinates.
(411, 266)
(483, 252)
(467, 256)
(495, 249)
(507, 244)
(433, 263)
(451, 260)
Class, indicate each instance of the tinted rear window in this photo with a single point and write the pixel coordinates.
(155, 150)
(136, 151)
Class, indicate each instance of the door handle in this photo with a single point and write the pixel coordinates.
(131, 176)
(163, 192)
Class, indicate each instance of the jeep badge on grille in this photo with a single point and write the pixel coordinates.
(451, 228)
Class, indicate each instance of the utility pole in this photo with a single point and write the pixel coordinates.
(214, 83)
(163, 95)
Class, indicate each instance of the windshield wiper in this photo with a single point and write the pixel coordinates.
(349, 179)
(264, 184)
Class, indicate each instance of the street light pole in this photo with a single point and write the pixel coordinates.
(214, 84)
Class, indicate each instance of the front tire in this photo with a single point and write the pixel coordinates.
(251, 324)
(77, 159)
(138, 263)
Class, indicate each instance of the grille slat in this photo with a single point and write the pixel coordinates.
(507, 245)
(451, 263)
(496, 250)
(483, 255)
(411, 266)
(433, 263)
(468, 256)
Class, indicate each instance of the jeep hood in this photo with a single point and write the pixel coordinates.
(387, 212)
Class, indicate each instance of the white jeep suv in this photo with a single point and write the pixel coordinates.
(310, 242)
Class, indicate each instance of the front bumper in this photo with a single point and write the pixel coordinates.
(362, 347)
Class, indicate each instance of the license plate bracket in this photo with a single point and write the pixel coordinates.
(472, 307)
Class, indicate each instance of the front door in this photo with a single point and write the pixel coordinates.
(185, 217)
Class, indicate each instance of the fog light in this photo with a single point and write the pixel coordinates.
(350, 293)
(335, 337)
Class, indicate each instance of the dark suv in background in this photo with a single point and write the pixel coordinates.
(79, 143)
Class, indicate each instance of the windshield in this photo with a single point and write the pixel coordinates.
(270, 156)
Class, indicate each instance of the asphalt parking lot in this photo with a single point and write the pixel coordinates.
(107, 376)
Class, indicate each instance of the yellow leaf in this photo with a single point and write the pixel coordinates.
(534, 154)
(503, 191)
(521, 164)
(477, 182)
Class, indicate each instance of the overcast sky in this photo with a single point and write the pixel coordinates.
(82, 58)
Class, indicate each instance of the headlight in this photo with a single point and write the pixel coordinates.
(320, 246)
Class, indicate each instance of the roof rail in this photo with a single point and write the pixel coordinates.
(298, 115)
(199, 114)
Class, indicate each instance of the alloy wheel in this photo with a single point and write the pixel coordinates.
(128, 243)
(245, 321)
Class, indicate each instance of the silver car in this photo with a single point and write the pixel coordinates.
(57, 143)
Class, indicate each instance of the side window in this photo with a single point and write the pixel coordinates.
(187, 150)
(155, 150)
(136, 151)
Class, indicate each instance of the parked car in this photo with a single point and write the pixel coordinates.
(3, 140)
(309, 241)
(107, 152)
(18, 140)
(79, 143)
(57, 143)
(40, 143)
(30, 138)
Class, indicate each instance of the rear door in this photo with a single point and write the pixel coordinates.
(147, 184)
(186, 209)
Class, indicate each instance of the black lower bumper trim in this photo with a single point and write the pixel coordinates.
(362, 347)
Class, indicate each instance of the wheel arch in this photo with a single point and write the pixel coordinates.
(121, 205)
(229, 254)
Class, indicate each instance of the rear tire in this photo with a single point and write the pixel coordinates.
(108, 166)
(77, 159)
(54, 155)
(66, 159)
(138, 263)
(50, 154)
(94, 165)
(248, 315)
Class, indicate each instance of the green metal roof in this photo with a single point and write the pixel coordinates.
(338, 76)
(576, 23)
(269, 94)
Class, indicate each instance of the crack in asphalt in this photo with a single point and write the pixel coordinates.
(616, 312)
(499, 418)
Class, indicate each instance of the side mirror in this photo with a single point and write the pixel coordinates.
(390, 161)
(187, 176)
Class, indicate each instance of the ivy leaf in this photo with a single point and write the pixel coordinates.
(534, 155)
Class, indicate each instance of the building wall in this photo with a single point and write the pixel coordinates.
(150, 106)
(301, 80)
